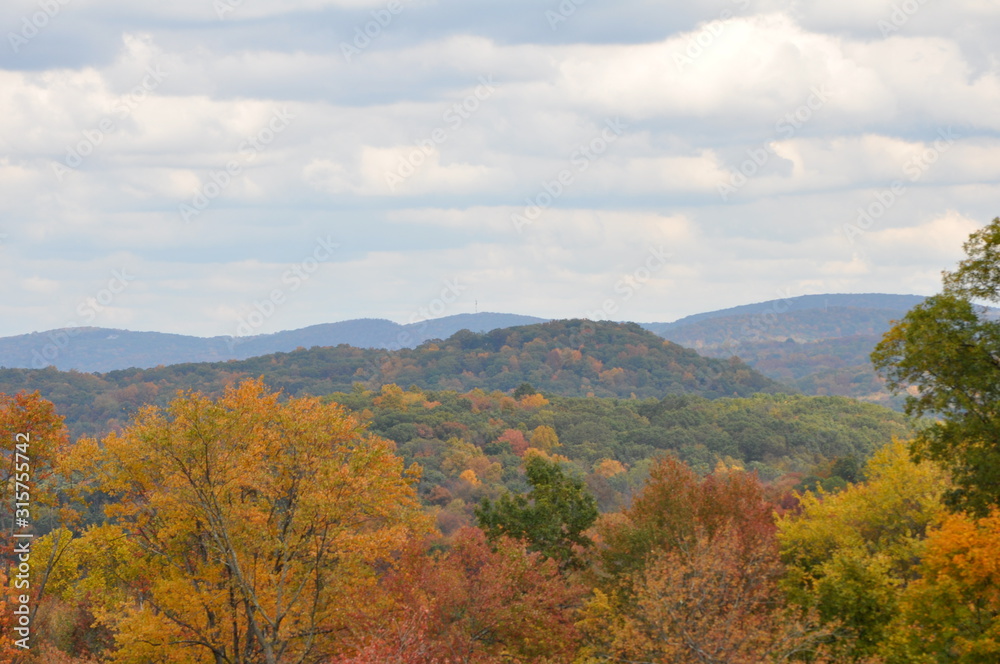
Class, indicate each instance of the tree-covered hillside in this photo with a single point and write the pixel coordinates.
(568, 358)
(828, 367)
(471, 445)
(823, 350)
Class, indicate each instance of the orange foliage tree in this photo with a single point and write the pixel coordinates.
(674, 506)
(32, 421)
(34, 437)
(952, 613)
(690, 573)
(253, 528)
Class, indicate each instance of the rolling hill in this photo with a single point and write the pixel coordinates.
(818, 344)
(566, 358)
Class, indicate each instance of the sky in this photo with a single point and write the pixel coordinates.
(224, 167)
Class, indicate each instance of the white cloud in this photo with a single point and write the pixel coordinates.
(939, 239)
(845, 111)
(40, 285)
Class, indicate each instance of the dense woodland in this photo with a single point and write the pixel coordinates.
(829, 367)
(472, 446)
(481, 528)
(481, 523)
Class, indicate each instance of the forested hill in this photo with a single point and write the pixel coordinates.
(566, 358)
(762, 314)
(818, 344)
(611, 442)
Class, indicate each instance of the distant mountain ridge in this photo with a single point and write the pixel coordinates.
(805, 318)
(801, 325)
(818, 344)
(877, 301)
(93, 349)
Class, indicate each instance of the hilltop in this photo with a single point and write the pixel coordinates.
(566, 358)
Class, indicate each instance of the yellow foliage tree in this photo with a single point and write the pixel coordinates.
(470, 476)
(544, 438)
(850, 554)
(532, 401)
(609, 467)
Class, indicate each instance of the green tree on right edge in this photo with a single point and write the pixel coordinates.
(945, 354)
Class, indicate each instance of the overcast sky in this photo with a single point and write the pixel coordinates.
(176, 166)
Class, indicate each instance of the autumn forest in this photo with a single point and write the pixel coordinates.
(568, 492)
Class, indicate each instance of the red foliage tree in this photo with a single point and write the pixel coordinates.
(713, 601)
(515, 438)
(690, 574)
(471, 605)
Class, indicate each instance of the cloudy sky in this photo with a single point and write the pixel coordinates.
(176, 166)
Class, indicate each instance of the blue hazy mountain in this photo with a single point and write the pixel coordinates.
(93, 349)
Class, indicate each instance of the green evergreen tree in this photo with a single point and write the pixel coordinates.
(552, 517)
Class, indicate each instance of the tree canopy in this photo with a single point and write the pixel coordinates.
(251, 527)
(945, 355)
(552, 517)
